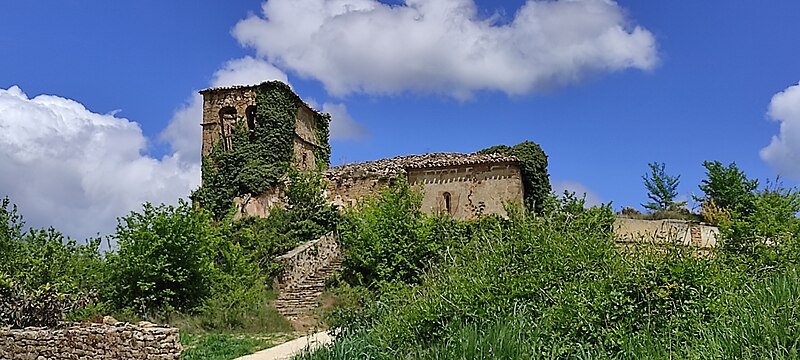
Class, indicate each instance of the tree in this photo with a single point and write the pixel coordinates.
(728, 187)
(164, 260)
(661, 188)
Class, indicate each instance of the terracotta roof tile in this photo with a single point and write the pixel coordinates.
(400, 164)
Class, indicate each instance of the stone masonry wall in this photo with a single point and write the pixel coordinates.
(236, 101)
(345, 192)
(470, 189)
(307, 259)
(678, 232)
(91, 341)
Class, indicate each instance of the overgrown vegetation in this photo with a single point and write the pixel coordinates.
(219, 346)
(661, 188)
(554, 285)
(260, 159)
(535, 179)
(167, 264)
(548, 281)
(44, 276)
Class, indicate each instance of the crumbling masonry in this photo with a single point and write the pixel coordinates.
(461, 185)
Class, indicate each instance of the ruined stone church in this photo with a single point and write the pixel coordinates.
(461, 185)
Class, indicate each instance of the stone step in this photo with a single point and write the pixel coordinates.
(303, 296)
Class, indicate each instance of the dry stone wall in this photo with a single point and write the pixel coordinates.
(679, 232)
(307, 259)
(91, 341)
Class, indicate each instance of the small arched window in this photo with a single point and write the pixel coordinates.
(227, 118)
(250, 113)
(447, 203)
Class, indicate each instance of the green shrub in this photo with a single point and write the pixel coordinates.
(163, 261)
(388, 239)
(43, 276)
(43, 306)
(766, 236)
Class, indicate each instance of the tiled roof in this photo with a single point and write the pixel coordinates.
(234, 87)
(397, 165)
(253, 86)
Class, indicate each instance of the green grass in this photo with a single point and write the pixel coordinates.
(762, 322)
(227, 346)
(219, 346)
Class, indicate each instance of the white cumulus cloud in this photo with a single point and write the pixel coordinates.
(76, 170)
(783, 152)
(444, 46)
(579, 189)
(343, 127)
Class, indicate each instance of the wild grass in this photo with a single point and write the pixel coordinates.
(763, 322)
(235, 313)
(220, 346)
(556, 286)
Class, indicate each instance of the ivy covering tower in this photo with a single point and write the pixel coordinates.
(252, 137)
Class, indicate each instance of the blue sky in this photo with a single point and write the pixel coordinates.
(678, 82)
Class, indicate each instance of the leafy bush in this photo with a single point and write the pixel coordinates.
(164, 259)
(44, 306)
(388, 238)
(766, 234)
(43, 276)
(727, 187)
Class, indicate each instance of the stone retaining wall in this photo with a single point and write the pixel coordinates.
(308, 259)
(91, 341)
(679, 232)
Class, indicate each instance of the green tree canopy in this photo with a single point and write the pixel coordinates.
(661, 188)
(728, 187)
(164, 259)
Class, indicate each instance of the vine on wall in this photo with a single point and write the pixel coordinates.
(259, 160)
(535, 180)
(322, 153)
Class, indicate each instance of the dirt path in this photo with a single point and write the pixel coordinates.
(291, 348)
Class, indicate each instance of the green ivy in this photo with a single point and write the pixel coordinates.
(535, 180)
(323, 151)
(259, 160)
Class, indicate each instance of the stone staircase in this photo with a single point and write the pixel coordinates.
(300, 298)
(305, 270)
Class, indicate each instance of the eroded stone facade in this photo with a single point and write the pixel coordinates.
(461, 185)
(224, 107)
(667, 231)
